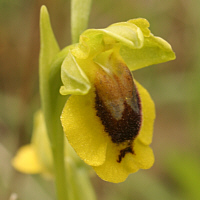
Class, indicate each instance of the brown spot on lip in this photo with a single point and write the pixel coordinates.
(122, 130)
(118, 106)
(123, 153)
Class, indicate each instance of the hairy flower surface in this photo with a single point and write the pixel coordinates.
(108, 119)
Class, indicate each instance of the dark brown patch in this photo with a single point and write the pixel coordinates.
(118, 106)
(123, 153)
(124, 129)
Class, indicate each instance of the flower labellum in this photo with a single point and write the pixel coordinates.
(109, 117)
(117, 105)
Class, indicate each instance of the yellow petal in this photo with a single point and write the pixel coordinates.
(114, 171)
(84, 130)
(26, 160)
(143, 156)
(148, 115)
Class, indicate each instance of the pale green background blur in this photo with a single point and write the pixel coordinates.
(174, 86)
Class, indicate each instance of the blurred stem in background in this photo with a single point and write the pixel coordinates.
(80, 11)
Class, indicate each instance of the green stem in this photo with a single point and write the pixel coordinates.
(50, 101)
(58, 155)
(80, 10)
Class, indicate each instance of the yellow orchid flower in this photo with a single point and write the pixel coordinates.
(36, 157)
(109, 117)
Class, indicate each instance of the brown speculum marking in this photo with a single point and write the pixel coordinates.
(123, 153)
(118, 106)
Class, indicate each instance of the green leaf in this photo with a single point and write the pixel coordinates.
(48, 49)
(73, 77)
(49, 46)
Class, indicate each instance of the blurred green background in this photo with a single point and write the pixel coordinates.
(174, 86)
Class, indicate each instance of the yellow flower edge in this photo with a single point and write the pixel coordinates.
(83, 129)
(148, 115)
(115, 172)
(26, 160)
(86, 134)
